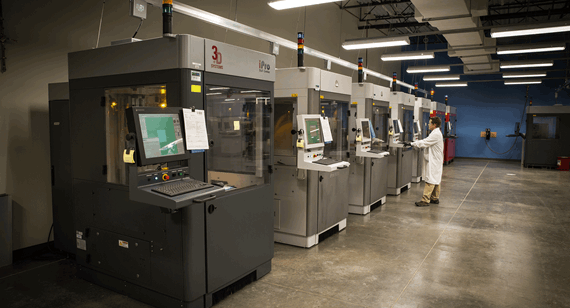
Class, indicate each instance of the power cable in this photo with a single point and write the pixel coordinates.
(100, 23)
(140, 24)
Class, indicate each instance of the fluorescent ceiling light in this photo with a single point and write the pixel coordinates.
(376, 42)
(427, 69)
(531, 48)
(440, 77)
(288, 4)
(523, 81)
(451, 84)
(408, 56)
(530, 29)
(524, 74)
(521, 64)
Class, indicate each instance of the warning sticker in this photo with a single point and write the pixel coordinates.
(81, 244)
(196, 76)
(124, 244)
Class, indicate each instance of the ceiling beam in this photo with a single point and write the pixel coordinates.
(394, 25)
(375, 3)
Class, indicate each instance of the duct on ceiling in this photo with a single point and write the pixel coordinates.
(460, 14)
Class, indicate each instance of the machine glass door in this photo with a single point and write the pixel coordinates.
(238, 122)
(337, 113)
(117, 100)
(285, 121)
(380, 125)
(408, 125)
(425, 120)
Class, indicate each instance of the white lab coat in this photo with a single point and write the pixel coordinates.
(433, 156)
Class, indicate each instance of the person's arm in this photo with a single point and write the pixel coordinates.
(427, 142)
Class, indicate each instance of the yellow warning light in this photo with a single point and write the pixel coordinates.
(163, 105)
(355, 103)
(162, 91)
(113, 104)
(294, 95)
(230, 109)
(322, 97)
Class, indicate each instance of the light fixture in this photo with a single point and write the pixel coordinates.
(531, 63)
(376, 42)
(526, 74)
(509, 31)
(530, 48)
(289, 4)
(440, 77)
(427, 69)
(451, 84)
(408, 56)
(523, 81)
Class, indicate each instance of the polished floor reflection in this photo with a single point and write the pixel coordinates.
(499, 238)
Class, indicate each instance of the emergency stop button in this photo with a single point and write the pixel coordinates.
(165, 177)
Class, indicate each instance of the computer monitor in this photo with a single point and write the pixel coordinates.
(365, 129)
(417, 129)
(448, 128)
(313, 130)
(397, 127)
(160, 136)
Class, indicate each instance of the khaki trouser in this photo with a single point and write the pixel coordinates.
(431, 192)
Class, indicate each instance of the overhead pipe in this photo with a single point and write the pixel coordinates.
(247, 30)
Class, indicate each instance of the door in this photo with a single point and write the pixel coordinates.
(333, 198)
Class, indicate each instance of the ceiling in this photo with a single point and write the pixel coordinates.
(429, 22)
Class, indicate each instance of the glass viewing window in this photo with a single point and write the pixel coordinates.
(161, 135)
(313, 127)
(365, 129)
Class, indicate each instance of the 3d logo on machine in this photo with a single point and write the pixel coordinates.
(264, 67)
(217, 57)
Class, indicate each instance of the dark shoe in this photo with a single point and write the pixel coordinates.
(434, 201)
(421, 203)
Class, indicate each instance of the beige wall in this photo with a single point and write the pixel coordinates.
(47, 30)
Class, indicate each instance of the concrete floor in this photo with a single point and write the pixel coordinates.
(499, 238)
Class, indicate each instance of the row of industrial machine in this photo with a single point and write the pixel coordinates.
(177, 162)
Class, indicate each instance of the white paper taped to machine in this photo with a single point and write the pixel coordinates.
(327, 135)
(195, 128)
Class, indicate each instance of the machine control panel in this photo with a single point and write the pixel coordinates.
(313, 155)
(161, 176)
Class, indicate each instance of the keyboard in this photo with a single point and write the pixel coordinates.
(326, 161)
(181, 187)
(376, 151)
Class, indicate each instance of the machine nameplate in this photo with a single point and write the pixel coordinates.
(232, 60)
(196, 76)
(124, 244)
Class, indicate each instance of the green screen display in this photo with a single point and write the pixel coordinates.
(313, 130)
(161, 134)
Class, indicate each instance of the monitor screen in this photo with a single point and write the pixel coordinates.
(365, 129)
(161, 135)
(396, 127)
(448, 127)
(417, 129)
(313, 127)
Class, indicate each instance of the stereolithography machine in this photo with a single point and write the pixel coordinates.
(421, 131)
(450, 134)
(171, 173)
(311, 164)
(368, 134)
(401, 161)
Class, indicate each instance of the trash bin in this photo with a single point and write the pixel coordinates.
(5, 230)
(563, 163)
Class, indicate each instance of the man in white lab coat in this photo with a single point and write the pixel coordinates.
(433, 162)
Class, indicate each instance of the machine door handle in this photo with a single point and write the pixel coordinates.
(210, 198)
(211, 208)
(321, 178)
(341, 167)
(372, 163)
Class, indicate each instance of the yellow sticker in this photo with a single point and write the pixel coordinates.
(124, 244)
(358, 138)
(196, 88)
(128, 156)
(300, 143)
(294, 95)
(355, 103)
(322, 97)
